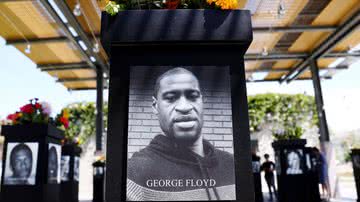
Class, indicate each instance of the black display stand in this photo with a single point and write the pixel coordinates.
(312, 175)
(257, 178)
(41, 191)
(70, 187)
(98, 181)
(181, 37)
(295, 181)
(355, 157)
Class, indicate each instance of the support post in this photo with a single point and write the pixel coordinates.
(325, 143)
(99, 107)
(324, 131)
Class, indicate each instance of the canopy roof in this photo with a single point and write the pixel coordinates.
(287, 35)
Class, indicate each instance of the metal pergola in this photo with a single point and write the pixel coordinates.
(276, 49)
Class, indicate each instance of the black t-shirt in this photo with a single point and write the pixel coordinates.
(268, 167)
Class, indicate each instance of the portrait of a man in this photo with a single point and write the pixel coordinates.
(179, 163)
(76, 168)
(293, 159)
(65, 168)
(21, 164)
(54, 163)
(356, 161)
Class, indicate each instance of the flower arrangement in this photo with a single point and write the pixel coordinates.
(70, 140)
(100, 159)
(34, 112)
(37, 112)
(113, 7)
(289, 133)
(62, 119)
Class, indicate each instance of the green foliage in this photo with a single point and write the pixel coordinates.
(82, 124)
(349, 142)
(289, 133)
(286, 112)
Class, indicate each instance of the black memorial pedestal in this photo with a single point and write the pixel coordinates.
(98, 181)
(312, 175)
(257, 178)
(31, 163)
(175, 38)
(70, 173)
(355, 157)
(295, 182)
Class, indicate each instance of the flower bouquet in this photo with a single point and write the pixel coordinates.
(34, 112)
(113, 7)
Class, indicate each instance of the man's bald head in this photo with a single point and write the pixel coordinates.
(171, 72)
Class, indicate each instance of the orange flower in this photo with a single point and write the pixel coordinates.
(66, 113)
(224, 4)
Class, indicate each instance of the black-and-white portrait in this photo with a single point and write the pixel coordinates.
(277, 163)
(180, 142)
(54, 163)
(293, 161)
(308, 161)
(256, 166)
(76, 168)
(65, 168)
(98, 171)
(356, 161)
(21, 163)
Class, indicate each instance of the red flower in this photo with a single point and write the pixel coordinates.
(11, 117)
(64, 121)
(37, 105)
(27, 109)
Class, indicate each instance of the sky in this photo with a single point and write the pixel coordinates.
(21, 81)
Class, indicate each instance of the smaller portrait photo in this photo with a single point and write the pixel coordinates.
(76, 168)
(21, 163)
(256, 166)
(65, 168)
(308, 162)
(277, 163)
(293, 161)
(356, 161)
(54, 161)
(98, 171)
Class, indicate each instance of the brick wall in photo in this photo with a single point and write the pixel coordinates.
(215, 87)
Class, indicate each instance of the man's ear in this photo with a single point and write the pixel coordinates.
(154, 105)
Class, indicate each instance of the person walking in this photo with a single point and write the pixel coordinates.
(322, 170)
(268, 167)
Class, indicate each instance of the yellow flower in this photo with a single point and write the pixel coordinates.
(100, 158)
(65, 113)
(224, 4)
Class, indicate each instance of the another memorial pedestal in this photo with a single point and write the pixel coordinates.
(355, 157)
(257, 178)
(70, 159)
(98, 182)
(294, 178)
(31, 163)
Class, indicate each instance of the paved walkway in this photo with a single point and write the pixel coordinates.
(340, 199)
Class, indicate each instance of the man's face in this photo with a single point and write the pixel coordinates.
(52, 163)
(293, 160)
(22, 165)
(179, 107)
